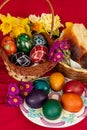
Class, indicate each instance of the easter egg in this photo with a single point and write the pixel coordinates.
(57, 81)
(41, 84)
(24, 43)
(74, 86)
(52, 109)
(38, 54)
(72, 102)
(9, 45)
(39, 40)
(20, 59)
(36, 98)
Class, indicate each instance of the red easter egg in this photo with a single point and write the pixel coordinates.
(74, 86)
(39, 54)
(9, 45)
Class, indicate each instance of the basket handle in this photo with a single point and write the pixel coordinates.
(4, 3)
(51, 8)
(0, 51)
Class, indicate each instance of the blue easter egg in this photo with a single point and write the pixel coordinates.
(41, 84)
(39, 40)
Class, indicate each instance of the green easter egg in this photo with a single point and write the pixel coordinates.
(41, 84)
(52, 109)
(24, 43)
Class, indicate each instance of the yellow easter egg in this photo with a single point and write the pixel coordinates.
(57, 81)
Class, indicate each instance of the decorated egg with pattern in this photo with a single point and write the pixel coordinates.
(24, 43)
(20, 59)
(39, 40)
(9, 45)
(38, 54)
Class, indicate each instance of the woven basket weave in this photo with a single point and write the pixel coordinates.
(71, 72)
(29, 73)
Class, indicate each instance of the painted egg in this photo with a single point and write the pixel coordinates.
(41, 84)
(38, 54)
(9, 45)
(52, 109)
(39, 40)
(24, 43)
(36, 98)
(56, 81)
(20, 59)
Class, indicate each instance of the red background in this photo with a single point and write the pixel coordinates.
(68, 10)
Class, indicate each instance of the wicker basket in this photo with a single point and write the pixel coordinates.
(29, 73)
(73, 73)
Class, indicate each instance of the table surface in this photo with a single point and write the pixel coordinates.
(68, 10)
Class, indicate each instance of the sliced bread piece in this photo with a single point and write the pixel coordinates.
(77, 36)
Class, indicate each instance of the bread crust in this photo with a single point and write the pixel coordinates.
(77, 48)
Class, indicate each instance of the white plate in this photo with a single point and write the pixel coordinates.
(66, 119)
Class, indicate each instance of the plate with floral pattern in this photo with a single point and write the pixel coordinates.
(65, 120)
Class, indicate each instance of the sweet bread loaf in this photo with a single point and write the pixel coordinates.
(77, 36)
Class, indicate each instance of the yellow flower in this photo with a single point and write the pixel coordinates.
(34, 18)
(36, 23)
(47, 20)
(21, 27)
(3, 17)
(25, 23)
(16, 31)
(5, 28)
(38, 27)
(6, 25)
(14, 25)
(68, 24)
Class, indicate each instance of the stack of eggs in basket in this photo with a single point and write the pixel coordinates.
(24, 50)
(23, 40)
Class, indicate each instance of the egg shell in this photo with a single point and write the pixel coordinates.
(57, 81)
(41, 84)
(24, 43)
(52, 109)
(40, 40)
(21, 59)
(38, 54)
(36, 98)
(74, 86)
(9, 45)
